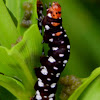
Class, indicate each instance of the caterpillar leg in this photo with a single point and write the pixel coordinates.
(46, 6)
(49, 4)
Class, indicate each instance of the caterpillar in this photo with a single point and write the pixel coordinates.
(39, 12)
(53, 64)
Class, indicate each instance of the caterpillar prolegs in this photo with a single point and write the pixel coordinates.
(53, 64)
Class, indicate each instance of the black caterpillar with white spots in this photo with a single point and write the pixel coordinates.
(39, 12)
(52, 65)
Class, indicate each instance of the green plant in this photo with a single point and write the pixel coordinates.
(17, 77)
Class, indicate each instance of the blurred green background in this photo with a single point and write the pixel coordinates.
(81, 20)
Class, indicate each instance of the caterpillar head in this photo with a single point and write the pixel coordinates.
(39, 2)
(54, 11)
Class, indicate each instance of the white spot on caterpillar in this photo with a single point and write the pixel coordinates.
(42, 67)
(55, 48)
(47, 9)
(65, 61)
(53, 34)
(52, 22)
(61, 27)
(51, 95)
(47, 27)
(68, 46)
(61, 55)
(51, 59)
(59, 61)
(64, 65)
(62, 42)
(51, 99)
(40, 12)
(65, 35)
(68, 50)
(40, 23)
(40, 83)
(55, 68)
(51, 40)
(45, 89)
(38, 97)
(49, 15)
(45, 96)
(48, 79)
(52, 74)
(58, 74)
(37, 92)
(47, 84)
(44, 71)
(53, 85)
(59, 17)
(61, 32)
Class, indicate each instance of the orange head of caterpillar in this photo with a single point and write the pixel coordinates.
(54, 11)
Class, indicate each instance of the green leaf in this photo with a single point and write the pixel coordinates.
(8, 32)
(19, 62)
(13, 17)
(11, 14)
(30, 48)
(14, 86)
(12, 65)
(4, 1)
(92, 92)
(8, 96)
(85, 85)
(16, 7)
